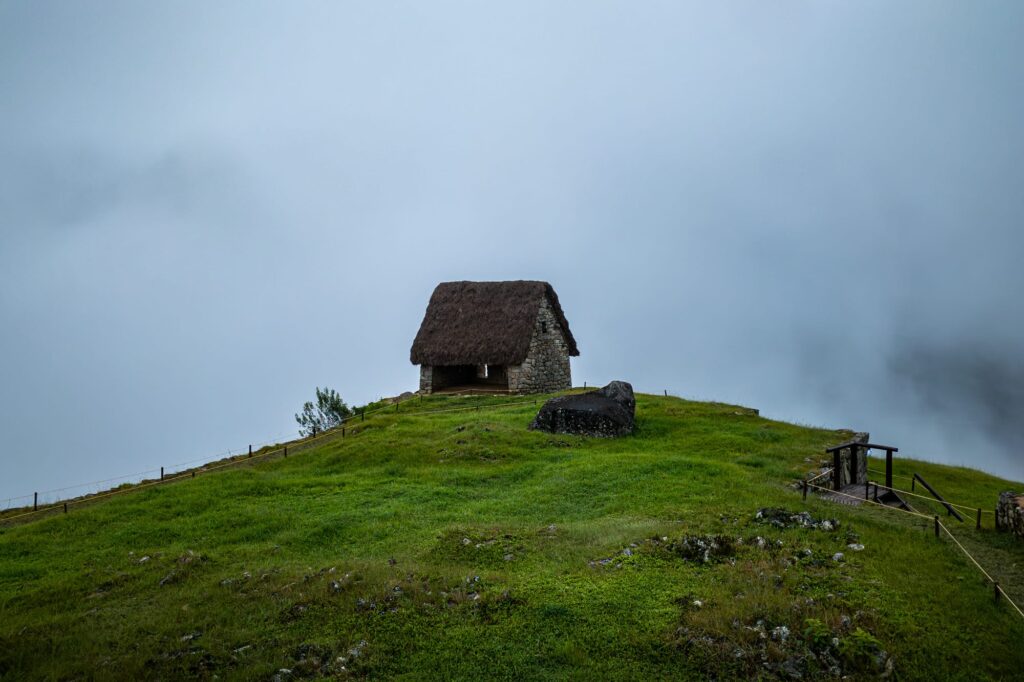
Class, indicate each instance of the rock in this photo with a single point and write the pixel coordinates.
(791, 667)
(607, 412)
(782, 518)
(509, 557)
(1010, 513)
(780, 634)
(855, 546)
(838, 556)
(144, 559)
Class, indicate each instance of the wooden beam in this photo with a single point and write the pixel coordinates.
(867, 446)
(888, 469)
(837, 474)
(938, 497)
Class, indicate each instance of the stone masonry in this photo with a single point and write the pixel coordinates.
(861, 475)
(1010, 513)
(546, 367)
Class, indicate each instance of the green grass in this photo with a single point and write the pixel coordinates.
(461, 545)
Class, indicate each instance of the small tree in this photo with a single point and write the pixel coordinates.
(329, 411)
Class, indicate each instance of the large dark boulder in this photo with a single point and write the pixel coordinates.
(607, 412)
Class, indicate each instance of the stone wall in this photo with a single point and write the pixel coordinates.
(546, 368)
(1010, 513)
(426, 378)
(861, 475)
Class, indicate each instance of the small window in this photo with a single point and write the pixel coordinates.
(543, 327)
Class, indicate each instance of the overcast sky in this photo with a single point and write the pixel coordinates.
(208, 209)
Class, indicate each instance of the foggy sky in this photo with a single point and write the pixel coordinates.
(208, 209)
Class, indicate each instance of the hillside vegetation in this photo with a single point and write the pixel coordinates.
(459, 545)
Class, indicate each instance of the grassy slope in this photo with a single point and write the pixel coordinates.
(390, 510)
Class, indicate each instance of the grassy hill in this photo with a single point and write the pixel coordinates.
(461, 545)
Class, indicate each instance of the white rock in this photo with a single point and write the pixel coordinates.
(838, 556)
(855, 546)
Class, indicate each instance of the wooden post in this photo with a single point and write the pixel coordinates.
(805, 490)
(936, 525)
(853, 462)
(913, 484)
(584, 384)
(285, 450)
(65, 507)
(362, 415)
(876, 492)
(35, 501)
(978, 527)
(837, 475)
(193, 473)
(250, 449)
(888, 469)
(342, 431)
(666, 392)
(161, 473)
(867, 487)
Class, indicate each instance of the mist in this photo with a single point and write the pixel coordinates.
(206, 211)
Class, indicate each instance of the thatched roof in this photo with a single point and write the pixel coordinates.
(483, 323)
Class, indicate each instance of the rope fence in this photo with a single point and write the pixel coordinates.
(236, 459)
(998, 591)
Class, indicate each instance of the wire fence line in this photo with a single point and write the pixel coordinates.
(242, 457)
(998, 590)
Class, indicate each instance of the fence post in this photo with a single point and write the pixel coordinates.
(250, 449)
(342, 431)
(35, 501)
(666, 392)
(362, 415)
(584, 384)
(285, 450)
(65, 507)
(978, 527)
(936, 525)
(913, 483)
(193, 473)
(805, 489)
(161, 473)
(867, 486)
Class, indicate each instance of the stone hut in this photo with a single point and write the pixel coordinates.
(500, 336)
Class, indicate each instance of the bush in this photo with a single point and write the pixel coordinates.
(328, 412)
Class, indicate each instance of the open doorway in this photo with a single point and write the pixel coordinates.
(461, 377)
